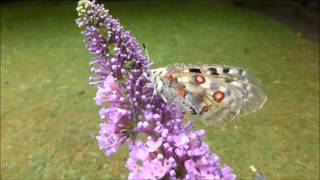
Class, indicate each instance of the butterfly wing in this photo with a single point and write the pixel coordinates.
(169, 91)
(217, 93)
(211, 111)
(241, 98)
(216, 70)
(252, 97)
(241, 95)
(224, 111)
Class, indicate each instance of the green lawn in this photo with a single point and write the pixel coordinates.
(49, 119)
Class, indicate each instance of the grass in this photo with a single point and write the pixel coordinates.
(49, 120)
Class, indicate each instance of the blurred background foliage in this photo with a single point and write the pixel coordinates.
(49, 119)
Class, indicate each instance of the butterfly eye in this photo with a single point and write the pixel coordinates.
(199, 79)
(218, 96)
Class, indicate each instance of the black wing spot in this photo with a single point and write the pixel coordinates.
(228, 80)
(194, 70)
(240, 72)
(213, 71)
(193, 111)
(226, 70)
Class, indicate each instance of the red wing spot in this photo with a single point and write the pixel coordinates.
(199, 79)
(218, 96)
(181, 92)
(169, 77)
(205, 108)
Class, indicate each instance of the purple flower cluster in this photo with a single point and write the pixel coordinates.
(130, 112)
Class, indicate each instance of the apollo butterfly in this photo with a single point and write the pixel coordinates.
(217, 93)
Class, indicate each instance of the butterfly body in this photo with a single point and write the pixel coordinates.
(217, 93)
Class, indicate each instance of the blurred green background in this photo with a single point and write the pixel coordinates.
(49, 119)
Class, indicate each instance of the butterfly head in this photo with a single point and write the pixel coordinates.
(154, 75)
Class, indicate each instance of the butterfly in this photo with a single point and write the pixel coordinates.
(217, 93)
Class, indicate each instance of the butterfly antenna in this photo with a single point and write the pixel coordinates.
(146, 51)
(150, 63)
